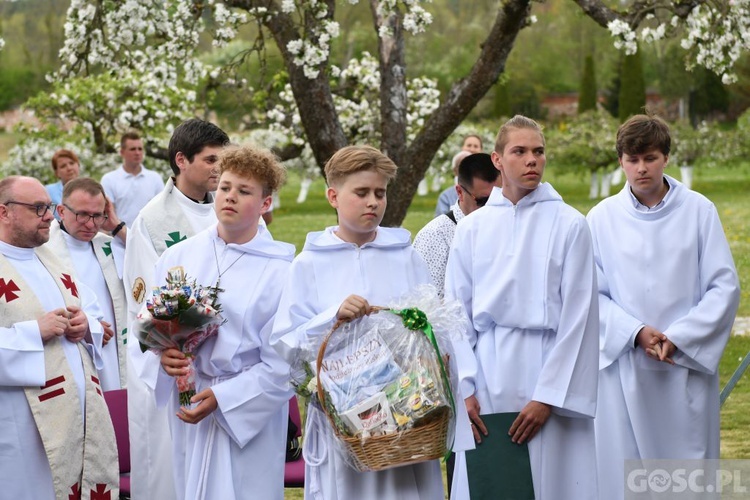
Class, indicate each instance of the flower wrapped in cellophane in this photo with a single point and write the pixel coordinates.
(179, 315)
(384, 381)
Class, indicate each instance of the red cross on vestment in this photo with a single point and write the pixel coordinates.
(7, 290)
(75, 493)
(70, 284)
(101, 492)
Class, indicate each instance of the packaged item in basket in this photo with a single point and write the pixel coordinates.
(370, 417)
(414, 396)
(358, 369)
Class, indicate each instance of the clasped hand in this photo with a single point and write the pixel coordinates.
(70, 322)
(656, 345)
(352, 308)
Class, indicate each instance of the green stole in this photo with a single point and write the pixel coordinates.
(165, 220)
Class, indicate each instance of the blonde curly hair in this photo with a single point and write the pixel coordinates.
(252, 162)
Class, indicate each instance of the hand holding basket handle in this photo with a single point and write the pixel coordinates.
(354, 307)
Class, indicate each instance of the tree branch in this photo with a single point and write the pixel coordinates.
(393, 101)
(312, 95)
(463, 97)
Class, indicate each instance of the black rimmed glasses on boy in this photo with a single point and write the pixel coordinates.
(83, 217)
(480, 201)
(40, 208)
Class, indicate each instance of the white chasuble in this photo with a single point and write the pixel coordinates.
(94, 265)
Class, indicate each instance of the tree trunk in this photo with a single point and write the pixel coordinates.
(462, 98)
(686, 175)
(594, 186)
(313, 96)
(323, 129)
(606, 184)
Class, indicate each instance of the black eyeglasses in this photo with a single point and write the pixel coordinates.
(40, 209)
(481, 201)
(83, 218)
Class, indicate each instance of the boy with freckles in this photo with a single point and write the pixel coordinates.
(668, 295)
(339, 274)
(233, 438)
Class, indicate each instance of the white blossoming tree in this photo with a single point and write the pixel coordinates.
(134, 64)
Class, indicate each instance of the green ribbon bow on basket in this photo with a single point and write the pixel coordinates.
(416, 320)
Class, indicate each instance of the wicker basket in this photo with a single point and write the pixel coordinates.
(425, 441)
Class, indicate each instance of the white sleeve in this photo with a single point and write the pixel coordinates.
(140, 259)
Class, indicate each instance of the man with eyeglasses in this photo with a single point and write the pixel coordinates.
(50, 346)
(78, 239)
(476, 177)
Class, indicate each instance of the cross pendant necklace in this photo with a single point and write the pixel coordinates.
(218, 269)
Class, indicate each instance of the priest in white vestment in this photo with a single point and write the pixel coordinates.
(79, 241)
(235, 436)
(668, 295)
(182, 209)
(523, 268)
(56, 437)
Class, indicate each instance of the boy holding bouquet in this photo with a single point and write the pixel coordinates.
(341, 271)
(234, 433)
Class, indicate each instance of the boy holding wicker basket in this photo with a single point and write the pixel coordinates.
(340, 274)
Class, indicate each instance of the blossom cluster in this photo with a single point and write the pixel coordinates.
(718, 37)
(358, 105)
(32, 157)
(716, 34)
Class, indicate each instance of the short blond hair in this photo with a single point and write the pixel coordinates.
(515, 123)
(352, 159)
(256, 163)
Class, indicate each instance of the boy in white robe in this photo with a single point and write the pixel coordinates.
(523, 268)
(668, 295)
(182, 209)
(235, 434)
(338, 274)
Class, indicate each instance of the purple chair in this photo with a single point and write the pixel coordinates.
(117, 401)
(294, 472)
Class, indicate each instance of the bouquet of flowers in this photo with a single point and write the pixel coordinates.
(179, 315)
(384, 381)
